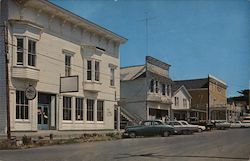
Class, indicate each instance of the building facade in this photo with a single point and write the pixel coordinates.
(181, 107)
(47, 43)
(146, 89)
(209, 96)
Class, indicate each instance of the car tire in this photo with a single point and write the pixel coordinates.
(165, 134)
(132, 134)
(199, 130)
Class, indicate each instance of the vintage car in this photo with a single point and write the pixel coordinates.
(183, 128)
(200, 128)
(221, 124)
(149, 128)
(239, 124)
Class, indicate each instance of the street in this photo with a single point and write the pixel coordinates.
(218, 145)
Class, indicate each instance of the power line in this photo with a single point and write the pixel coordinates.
(61, 61)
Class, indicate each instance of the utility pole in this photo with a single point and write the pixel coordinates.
(6, 51)
(208, 103)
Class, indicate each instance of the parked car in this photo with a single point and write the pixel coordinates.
(245, 121)
(236, 124)
(200, 128)
(221, 124)
(149, 128)
(182, 128)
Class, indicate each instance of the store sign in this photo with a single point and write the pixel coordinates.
(30, 92)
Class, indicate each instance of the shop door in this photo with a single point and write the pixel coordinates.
(43, 117)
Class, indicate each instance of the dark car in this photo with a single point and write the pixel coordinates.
(149, 128)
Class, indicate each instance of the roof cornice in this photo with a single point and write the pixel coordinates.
(82, 21)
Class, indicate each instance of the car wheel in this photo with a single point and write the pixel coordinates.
(165, 134)
(199, 130)
(132, 135)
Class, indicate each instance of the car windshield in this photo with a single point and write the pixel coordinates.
(184, 123)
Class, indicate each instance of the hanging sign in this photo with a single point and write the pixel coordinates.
(30, 92)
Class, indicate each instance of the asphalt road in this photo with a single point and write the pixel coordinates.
(224, 145)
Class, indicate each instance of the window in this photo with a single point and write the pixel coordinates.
(158, 123)
(168, 90)
(176, 123)
(112, 76)
(90, 110)
(67, 65)
(152, 85)
(20, 51)
(147, 123)
(163, 89)
(66, 108)
(156, 86)
(31, 53)
(100, 110)
(89, 70)
(176, 101)
(184, 102)
(22, 110)
(97, 71)
(79, 108)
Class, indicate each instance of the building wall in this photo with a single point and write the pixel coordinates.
(52, 42)
(218, 94)
(181, 95)
(3, 105)
(199, 98)
(133, 93)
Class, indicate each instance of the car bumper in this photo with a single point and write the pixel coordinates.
(125, 135)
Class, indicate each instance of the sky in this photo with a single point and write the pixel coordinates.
(196, 37)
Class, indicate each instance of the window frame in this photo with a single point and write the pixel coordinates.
(67, 63)
(152, 84)
(156, 86)
(184, 102)
(112, 77)
(67, 107)
(79, 109)
(163, 89)
(31, 53)
(98, 111)
(89, 70)
(97, 71)
(90, 110)
(20, 50)
(22, 106)
(176, 101)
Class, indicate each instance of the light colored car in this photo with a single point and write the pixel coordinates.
(246, 121)
(200, 128)
(182, 128)
(236, 124)
(221, 124)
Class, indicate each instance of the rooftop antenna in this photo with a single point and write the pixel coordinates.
(147, 19)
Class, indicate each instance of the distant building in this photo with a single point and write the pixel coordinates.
(209, 94)
(242, 101)
(47, 42)
(146, 89)
(181, 107)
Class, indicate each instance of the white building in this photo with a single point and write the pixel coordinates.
(46, 42)
(181, 99)
(146, 90)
